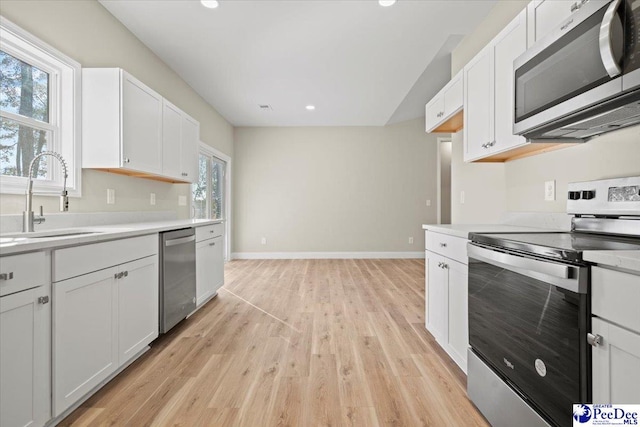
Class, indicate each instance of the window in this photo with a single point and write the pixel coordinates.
(39, 111)
(210, 188)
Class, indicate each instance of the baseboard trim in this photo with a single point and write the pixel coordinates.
(327, 255)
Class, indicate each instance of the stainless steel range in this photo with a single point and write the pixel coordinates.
(529, 307)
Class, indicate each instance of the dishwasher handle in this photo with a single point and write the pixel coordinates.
(179, 241)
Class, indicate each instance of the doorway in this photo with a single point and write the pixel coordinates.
(444, 180)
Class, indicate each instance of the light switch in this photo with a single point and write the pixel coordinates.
(111, 196)
(550, 190)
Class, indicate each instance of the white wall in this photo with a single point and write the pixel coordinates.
(334, 189)
(518, 186)
(88, 33)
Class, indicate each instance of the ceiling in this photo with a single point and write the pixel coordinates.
(358, 63)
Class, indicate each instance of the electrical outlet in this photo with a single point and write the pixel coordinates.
(428, 202)
(263, 241)
(462, 197)
(182, 200)
(152, 199)
(111, 196)
(550, 190)
(411, 240)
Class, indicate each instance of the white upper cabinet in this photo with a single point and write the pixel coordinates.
(489, 95)
(545, 15)
(180, 136)
(189, 148)
(478, 104)
(141, 113)
(510, 43)
(129, 128)
(444, 111)
(171, 135)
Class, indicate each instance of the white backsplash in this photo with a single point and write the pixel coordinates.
(13, 223)
(549, 220)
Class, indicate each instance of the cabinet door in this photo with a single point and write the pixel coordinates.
(138, 321)
(438, 298)
(478, 105)
(25, 325)
(218, 263)
(615, 364)
(209, 268)
(453, 96)
(434, 112)
(189, 148)
(141, 127)
(510, 44)
(171, 140)
(458, 322)
(85, 335)
(545, 15)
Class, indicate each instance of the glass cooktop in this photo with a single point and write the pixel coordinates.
(567, 246)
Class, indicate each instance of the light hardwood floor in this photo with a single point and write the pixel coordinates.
(295, 343)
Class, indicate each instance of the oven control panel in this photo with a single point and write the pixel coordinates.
(609, 197)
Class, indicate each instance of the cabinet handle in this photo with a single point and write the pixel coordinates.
(126, 273)
(440, 264)
(212, 244)
(9, 276)
(492, 143)
(443, 245)
(43, 300)
(594, 340)
(127, 160)
(445, 265)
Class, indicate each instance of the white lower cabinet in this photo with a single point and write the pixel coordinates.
(616, 322)
(85, 335)
(102, 318)
(209, 268)
(615, 364)
(446, 296)
(137, 306)
(25, 344)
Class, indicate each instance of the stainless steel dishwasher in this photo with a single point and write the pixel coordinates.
(177, 276)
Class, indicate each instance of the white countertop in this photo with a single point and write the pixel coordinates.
(463, 230)
(18, 244)
(629, 260)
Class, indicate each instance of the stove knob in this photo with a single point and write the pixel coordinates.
(589, 194)
(574, 195)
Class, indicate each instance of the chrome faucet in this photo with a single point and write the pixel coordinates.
(28, 218)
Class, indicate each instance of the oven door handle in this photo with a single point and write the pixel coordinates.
(565, 276)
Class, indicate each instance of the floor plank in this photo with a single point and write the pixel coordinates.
(295, 343)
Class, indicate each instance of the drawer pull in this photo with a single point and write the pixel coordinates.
(126, 273)
(443, 245)
(43, 300)
(6, 276)
(212, 244)
(594, 340)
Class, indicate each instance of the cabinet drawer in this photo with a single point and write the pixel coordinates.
(448, 246)
(615, 296)
(72, 262)
(209, 231)
(23, 272)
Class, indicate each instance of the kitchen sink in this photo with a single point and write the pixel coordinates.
(49, 234)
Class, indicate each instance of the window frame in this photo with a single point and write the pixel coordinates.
(64, 111)
(209, 151)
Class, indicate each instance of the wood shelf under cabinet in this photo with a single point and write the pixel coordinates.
(453, 125)
(530, 149)
(141, 175)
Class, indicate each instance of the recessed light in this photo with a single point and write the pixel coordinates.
(310, 107)
(386, 3)
(211, 4)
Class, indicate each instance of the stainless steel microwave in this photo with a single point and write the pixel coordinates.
(583, 79)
